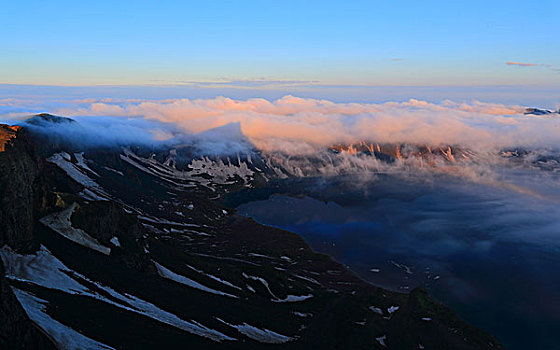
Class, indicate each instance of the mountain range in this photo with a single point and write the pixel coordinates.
(136, 246)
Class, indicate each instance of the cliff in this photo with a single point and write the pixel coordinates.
(19, 173)
(19, 184)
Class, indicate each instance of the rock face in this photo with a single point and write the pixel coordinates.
(18, 175)
(7, 134)
(19, 184)
(106, 221)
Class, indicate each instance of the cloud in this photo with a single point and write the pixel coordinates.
(105, 131)
(520, 64)
(243, 83)
(295, 133)
(299, 125)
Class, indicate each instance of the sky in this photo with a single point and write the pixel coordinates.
(263, 44)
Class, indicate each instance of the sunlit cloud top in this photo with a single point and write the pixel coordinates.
(298, 125)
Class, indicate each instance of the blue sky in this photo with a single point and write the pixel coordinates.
(311, 42)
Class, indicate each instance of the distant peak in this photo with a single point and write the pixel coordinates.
(538, 111)
(45, 119)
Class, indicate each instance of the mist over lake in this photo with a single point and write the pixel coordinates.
(490, 253)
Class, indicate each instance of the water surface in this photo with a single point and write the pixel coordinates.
(491, 254)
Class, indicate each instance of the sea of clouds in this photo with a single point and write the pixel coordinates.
(297, 125)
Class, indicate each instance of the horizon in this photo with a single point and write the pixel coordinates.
(18, 99)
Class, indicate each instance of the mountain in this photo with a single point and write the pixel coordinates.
(132, 247)
(538, 111)
(46, 120)
(19, 169)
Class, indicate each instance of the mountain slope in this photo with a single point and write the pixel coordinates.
(125, 251)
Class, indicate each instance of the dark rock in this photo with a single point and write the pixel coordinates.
(45, 119)
(104, 220)
(19, 187)
(16, 329)
(434, 326)
(537, 111)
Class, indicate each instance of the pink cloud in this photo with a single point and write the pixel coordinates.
(521, 64)
(294, 124)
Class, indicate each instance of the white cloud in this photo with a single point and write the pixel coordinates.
(293, 123)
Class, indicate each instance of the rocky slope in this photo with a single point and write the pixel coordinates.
(119, 250)
(19, 169)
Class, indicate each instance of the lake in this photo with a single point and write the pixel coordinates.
(490, 253)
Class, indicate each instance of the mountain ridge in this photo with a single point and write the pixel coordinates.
(172, 248)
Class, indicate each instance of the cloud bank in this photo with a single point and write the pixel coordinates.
(299, 125)
(295, 134)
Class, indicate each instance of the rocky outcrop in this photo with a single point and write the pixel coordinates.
(106, 221)
(7, 135)
(19, 187)
(19, 173)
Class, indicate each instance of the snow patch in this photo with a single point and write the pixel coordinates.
(166, 273)
(41, 268)
(165, 222)
(82, 163)
(381, 340)
(217, 279)
(302, 314)
(114, 171)
(403, 267)
(294, 298)
(64, 336)
(62, 160)
(221, 173)
(91, 196)
(263, 281)
(60, 223)
(261, 335)
(115, 241)
(45, 270)
(308, 279)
